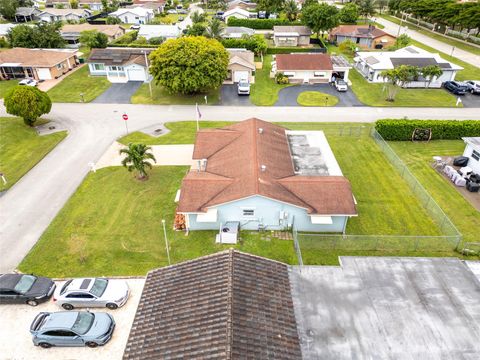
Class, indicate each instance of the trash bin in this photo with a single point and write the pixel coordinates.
(81, 60)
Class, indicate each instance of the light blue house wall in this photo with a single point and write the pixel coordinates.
(267, 213)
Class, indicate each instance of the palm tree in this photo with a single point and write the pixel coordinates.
(197, 17)
(366, 8)
(214, 29)
(291, 10)
(429, 73)
(136, 159)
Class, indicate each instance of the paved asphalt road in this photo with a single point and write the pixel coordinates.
(32, 203)
(288, 96)
(466, 56)
(118, 93)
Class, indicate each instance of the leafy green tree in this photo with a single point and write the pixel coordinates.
(366, 8)
(217, 4)
(398, 78)
(156, 40)
(349, 14)
(94, 39)
(8, 9)
(308, 3)
(270, 6)
(255, 43)
(197, 29)
(42, 35)
(111, 20)
(189, 65)
(198, 17)
(430, 72)
(320, 17)
(27, 102)
(347, 47)
(137, 159)
(215, 29)
(74, 4)
(291, 10)
(402, 41)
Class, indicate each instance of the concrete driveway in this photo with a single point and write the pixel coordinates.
(118, 93)
(229, 96)
(16, 341)
(288, 96)
(470, 100)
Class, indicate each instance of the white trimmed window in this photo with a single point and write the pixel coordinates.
(248, 212)
(98, 67)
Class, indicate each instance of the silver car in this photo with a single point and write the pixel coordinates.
(72, 329)
(92, 292)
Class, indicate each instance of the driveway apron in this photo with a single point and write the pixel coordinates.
(288, 96)
(118, 93)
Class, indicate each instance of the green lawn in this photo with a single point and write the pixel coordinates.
(316, 98)
(21, 148)
(70, 88)
(162, 97)
(434, 35)
(6, 85)
(418, 157)
(265, 90)
(375, 95)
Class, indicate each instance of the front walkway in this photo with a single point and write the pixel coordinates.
(288, 96)
(174, 155)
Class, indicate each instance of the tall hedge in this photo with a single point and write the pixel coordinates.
(402, 130)
(259, 24)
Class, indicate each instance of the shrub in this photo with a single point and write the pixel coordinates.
(402, 130)
(281, 79)
(128, 38)
(255, 43)
(259, 24)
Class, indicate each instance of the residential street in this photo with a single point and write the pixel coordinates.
(466, 56)
(32, 203)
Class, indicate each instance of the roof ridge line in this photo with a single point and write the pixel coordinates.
(230, 305)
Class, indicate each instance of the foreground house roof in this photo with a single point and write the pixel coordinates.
(229, 305)
(303, 62)
(251, 158)
(34, 57)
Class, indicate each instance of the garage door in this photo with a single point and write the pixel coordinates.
(44, 74)
(136, 74)
(240, 75)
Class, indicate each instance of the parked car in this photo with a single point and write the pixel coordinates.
(28, 82)
(243, 87)
(262, 14)
(90, 292)
(135, 27)
(64, 328)
(455, 87)
(341, 85)
(25, 289)
(473, 86)
(171, 11)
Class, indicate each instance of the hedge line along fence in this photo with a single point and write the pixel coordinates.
(260, 24)
(402, 130)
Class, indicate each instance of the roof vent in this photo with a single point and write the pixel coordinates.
(260, 130)
(263, 168)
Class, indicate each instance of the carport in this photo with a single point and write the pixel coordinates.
(341, 67)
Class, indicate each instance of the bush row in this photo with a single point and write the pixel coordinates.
(288, 50)
(402, 130)
(259, 24)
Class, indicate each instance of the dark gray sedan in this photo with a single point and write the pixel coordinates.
(72, 328)
(21, 289)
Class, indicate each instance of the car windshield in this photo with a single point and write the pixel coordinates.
(25, 284)
(243, 84)
(341, 82)
(83, 323)
(64, 287)
(99, 287)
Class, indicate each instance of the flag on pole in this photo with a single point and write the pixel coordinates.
(199, 115)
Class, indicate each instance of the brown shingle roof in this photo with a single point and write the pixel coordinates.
(34, 57)
(235, 155)
(229, 305)
(287, 62)
(361, 31)
(109, 30)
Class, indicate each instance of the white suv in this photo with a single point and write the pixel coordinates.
(341, 85)
(243, 87)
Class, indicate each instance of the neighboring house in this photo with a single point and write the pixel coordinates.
(38, 3)
(472, 151)
(5, 28)
(25, 14)
(371, 65)
(94, 5)
(245, 5)
(156, 7)
(236, 32)
(71, 33)
(120, 65)
(52, 15)
(241, 66)
(164, 31)
(39, 64)
(311, 68)
(137, 15)
(265, 177)
(237, 13)
(365, 36)
(291, 35)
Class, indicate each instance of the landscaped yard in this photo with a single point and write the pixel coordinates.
(265, 90)
(21, 148)
(316, 98)
(6, 85)
(112, 225)
(162, 97)
(375, 94)
(80, 82)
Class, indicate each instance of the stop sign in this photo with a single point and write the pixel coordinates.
(125, 117)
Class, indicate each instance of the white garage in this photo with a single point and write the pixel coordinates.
(44, 74)
(240, 75)
(136, 73)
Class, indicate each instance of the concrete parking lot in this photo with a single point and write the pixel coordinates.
(16, 340)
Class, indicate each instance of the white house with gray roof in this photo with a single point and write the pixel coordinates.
(237, 32)
(163, 31)
(371, 64)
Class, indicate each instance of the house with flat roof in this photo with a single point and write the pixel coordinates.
(264, 176)
(39, 64)
(310, 68)
(291, 35)
(71, 32)
(53, 15)
(364, 36)
(371, 64)
(120, 65)
(236, 32)
(163, 31)
(241, 66)
(137, 15)
(472, 151)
